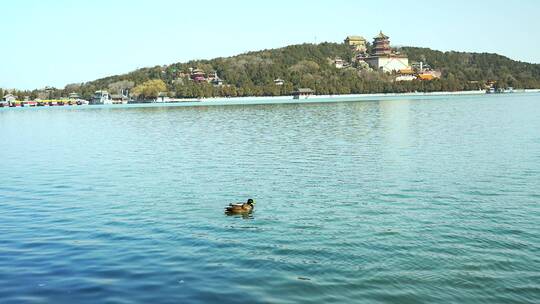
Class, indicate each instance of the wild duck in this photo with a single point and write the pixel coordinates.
(237, 208)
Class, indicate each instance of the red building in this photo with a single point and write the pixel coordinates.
(198, 75)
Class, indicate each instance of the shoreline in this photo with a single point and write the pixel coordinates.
(344, 96)
(250, 100)
(339, 96)
(330, 98)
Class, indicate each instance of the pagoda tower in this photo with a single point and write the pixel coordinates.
(382, 58)
(381, 45)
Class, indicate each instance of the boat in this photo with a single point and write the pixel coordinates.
(508, 90)
(493, 90)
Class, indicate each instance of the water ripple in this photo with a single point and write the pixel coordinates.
(387, 201)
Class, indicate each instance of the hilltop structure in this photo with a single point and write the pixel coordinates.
(200, 76)
(197, 75)
(383, 58)
(381, 45)
(330, 68)
(357, 43)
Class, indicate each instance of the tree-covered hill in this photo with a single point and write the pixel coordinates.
(312, 66)
(463, 66)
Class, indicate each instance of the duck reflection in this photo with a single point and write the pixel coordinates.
(245, 216)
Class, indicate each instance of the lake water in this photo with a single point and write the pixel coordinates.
(402, 200)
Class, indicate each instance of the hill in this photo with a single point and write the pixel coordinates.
(312, 66)
(482, 67)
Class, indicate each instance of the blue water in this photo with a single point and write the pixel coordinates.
(404, 200)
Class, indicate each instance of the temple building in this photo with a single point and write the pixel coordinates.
(198, 75)
(383, 58)
(340, 63)
(381, 45)
(357, 43)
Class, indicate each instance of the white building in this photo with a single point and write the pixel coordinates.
(101, 97)
(163, 97)
(384, 58)
(389, 64)
(279, 82)
(339, 63)
(10, 98)
(407, 77)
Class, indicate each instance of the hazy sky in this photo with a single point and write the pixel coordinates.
(56, 42)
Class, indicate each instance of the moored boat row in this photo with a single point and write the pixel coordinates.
(42, 103)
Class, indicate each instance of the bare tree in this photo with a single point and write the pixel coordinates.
(121, 86)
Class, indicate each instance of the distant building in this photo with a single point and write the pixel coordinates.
(339, 63)
(212, 76)
(74, 96)
(425, 77)
(407, 74)
(10, 98)
(119, 99)
(429, 75)
(388, 63)
(407, 71)
(101, 97)
(405, 77)
(197, 75)
(357, 43)
(279, 82)
(360, 57)
(424, 71)
(303, 93)
(418, 71)
(215, 80)
(382, 57)
(163, 97)
(381, 45)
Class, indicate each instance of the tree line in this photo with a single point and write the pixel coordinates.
(309, 66)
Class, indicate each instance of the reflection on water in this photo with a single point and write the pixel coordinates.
(383, 200)
(245, 215)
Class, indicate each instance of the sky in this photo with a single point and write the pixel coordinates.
(57, 42)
